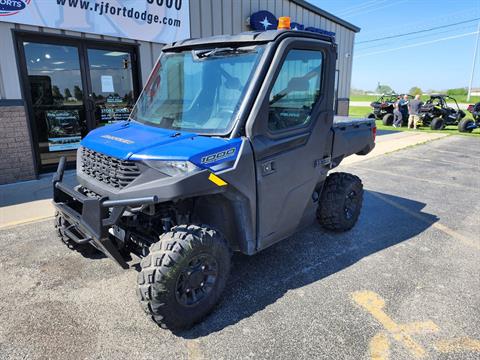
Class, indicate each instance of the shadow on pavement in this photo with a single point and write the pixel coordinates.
(386, 132)
(33, 190)
(309, 256)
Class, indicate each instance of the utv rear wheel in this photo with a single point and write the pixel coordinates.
(437, 124)
(183, 276)
(466, 125)
(61, 226)
(371, 116)
(340, 202)
(388, 119)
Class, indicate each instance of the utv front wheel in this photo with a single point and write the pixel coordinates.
(340, 202)
(183, 276)
(61, 227)
(437, 124)
(466, 125)
(388, 119)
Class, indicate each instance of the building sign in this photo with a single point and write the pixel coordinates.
(264, 20)
(161, 21)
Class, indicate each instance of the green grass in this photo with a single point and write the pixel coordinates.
(363, 111)
(460, 99)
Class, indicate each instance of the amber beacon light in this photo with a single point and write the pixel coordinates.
(283, 23)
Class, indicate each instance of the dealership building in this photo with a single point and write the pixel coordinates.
(69, 66)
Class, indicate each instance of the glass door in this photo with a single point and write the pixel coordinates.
(56, 90)
(72, 86)
(112, 91)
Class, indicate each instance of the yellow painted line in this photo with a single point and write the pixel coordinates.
(445, 229)
(25, 221)
(216, 180)
(194, 350)
(380, 347)
(374, 305)
(460, 344)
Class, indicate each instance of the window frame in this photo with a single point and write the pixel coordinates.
(314, 105)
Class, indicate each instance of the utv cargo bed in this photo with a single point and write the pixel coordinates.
(352, 136)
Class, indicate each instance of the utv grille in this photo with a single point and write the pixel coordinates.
(109, 170)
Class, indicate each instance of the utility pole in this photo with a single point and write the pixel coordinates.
(474, 61)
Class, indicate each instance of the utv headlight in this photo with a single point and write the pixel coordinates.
(172, 168)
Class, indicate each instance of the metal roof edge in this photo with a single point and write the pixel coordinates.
(326, 15)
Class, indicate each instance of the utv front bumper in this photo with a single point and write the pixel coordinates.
(92, 217)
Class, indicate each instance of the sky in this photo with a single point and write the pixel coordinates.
(434, 60)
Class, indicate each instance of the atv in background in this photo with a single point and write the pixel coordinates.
(468, 125)
(383, 108)
(437, 112)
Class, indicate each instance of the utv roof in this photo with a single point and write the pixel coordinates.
(245, 38)
(438, 95)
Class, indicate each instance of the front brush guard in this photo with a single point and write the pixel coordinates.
(96, 217)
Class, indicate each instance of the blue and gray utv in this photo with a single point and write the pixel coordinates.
(227, 149)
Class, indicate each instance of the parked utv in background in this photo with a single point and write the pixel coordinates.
(383, 108)
(468, 125)
(227, 149)
(437, 112)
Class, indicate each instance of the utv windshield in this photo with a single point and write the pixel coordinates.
(197, 90)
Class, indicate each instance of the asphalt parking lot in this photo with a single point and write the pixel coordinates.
(403, 284)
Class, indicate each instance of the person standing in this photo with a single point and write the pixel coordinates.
(397, 114)
(414, 112)
(404, 107)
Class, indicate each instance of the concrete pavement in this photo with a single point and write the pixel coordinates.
(30, 201)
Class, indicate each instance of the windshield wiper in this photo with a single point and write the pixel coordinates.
(222, 51)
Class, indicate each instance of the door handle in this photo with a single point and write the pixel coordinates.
(268, 168)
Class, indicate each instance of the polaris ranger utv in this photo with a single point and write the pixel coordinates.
(227, 149)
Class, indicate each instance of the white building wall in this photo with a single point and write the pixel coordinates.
(207, 17)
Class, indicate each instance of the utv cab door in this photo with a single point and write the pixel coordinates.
(290, 130)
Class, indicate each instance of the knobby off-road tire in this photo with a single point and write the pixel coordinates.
(340, 202)
(371, 116)
(464, 124)
(387, 119)
(437, 124)
(61, 224)
(183, 276)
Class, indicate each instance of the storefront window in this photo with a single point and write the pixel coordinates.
(57, 97)
(74, 86)
(112, 85)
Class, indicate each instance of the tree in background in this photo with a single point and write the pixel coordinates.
(67, 93)
(415, 91)
(56, 93)
(77, 93)
(458, 91)
(384, 89)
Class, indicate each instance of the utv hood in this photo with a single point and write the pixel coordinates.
(135, 141)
